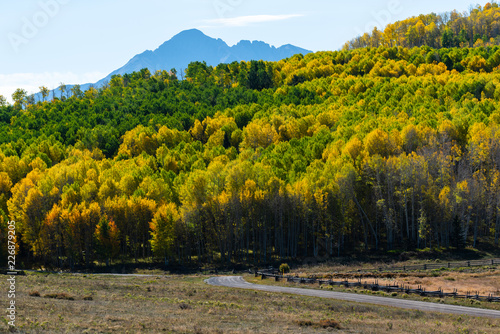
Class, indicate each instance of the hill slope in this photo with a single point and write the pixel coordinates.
(333, 153)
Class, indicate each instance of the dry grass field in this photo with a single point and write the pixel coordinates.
(185, 304)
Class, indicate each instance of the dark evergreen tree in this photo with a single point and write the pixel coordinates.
(458, 240)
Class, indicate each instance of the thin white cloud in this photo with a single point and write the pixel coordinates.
(32, 81)
(242, 21)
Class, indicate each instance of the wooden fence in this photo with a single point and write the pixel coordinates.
(375, 286)
(439, 265)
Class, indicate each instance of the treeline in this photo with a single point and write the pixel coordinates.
(478, 27)
(334, 152)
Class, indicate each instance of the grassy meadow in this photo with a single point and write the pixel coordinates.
(51, 303)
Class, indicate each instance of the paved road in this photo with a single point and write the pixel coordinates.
(239, 282)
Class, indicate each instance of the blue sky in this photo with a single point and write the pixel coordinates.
(45, 42)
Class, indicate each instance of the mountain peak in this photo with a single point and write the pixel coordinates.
(190, 33)
(193, 45)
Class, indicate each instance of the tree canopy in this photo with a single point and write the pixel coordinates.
(374, 148)
(480, 26)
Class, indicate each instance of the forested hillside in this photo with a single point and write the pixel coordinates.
(478, 27)
(375, 148)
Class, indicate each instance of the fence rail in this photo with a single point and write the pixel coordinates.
(271, 273)
(449, 265)
(12, 272)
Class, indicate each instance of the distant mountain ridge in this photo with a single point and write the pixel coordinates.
(193, 45)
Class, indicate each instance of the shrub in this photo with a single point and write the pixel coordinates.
(329, 324)
(61, 295)
(184, 306)
(304, 323)
(284, 268)
(34, 293)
